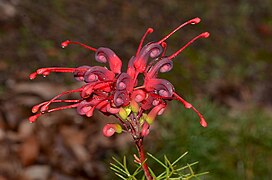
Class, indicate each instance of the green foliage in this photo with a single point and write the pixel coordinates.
(235, 145)
(171, 170)
(122, 171)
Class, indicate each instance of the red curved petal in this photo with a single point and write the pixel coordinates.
(107, 55)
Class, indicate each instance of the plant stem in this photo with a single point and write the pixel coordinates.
(140, 148)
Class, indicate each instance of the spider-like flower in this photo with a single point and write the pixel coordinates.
(118, 93)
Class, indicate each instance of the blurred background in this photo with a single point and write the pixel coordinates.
(227, 77)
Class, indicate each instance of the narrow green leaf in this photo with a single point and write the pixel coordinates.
(162, 175)
(161, 163)
(179, 158)
(143, 177)
(151, 172)
(125, 165)
(118, 169)
(184, 167)
(191, 170)
(139, 169)
(201, 174)
(120, 176)
(118, 162)
(114, 165)
(168, 162)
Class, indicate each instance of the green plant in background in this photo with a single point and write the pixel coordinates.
(135, 102)
(237, 143)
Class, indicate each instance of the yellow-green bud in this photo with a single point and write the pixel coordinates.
(128, 110)
(123, 113)
(143, 118)
(118, 128)
(134, 106)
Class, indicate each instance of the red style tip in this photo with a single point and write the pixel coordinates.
(195, 20)
(64, 44)
(150, 30)
(35, 108)
(33, 75)
(205, 35)
(32, 119)
(203, 122)
(164, 46)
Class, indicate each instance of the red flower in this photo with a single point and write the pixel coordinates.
(117, 93)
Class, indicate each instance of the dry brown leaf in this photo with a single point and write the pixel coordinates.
(29, 150)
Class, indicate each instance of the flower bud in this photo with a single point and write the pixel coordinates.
(123, 113)
(110, 129)
(145, 129)
(134, 106)
(158, 110)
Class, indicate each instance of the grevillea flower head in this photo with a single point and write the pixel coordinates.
(117, 93)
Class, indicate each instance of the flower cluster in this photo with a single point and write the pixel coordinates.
(117, 93)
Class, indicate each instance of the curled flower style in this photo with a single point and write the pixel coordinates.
(97, 73)
(107, 55)
(151, 50)
(161, 87)
(117, 93)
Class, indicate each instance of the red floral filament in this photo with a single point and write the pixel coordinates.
(67, 42)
